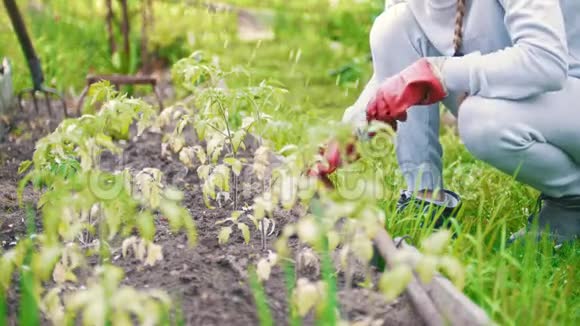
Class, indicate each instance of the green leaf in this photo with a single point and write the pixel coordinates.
(394, 282)
(106, 142)
(451, 267)
(362, 247)
(238, 139)
(224, 235)
(220, 222)
(288, 191)
(436, 243)
(44, 261)
(333, 240)
(102, 91)
(263, 269)
(189, 226)
(186, 156)
(24, 166)
(146, 225)
(174, 213)
(53, 307)
(173, 194)
(221, 177)
(208, 188)
(235, 164)
(203, 171)
(306, 295)
(263, 206)
(130, 242)
(308, 231)
(245, 232)
(288, 149)
(236, 215)
(247, 122)
(207, 202)
(181, 125)
(426, 268)
(154, 196)
(6, 269)
(176, 143)
(201, 156)
(154, 254)
(147, 118)
(254, 220)
(215, 146)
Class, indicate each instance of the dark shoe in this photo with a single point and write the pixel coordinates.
(558, 218)
(438, 211)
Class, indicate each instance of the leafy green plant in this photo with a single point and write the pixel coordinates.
(73, 202)
(106, 301)
(345, 220)
(223, 118)
(530, 284)
(234, 220)
(84, 209)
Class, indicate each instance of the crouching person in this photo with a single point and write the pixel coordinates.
(509, 70)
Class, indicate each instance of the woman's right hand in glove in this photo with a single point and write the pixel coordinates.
(418, 84)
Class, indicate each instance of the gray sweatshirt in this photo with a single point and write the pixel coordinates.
(544, 37)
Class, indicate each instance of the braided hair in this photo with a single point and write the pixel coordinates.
(458, 33)
(458, 41)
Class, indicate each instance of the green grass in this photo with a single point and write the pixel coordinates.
(290, 283)
(526, 284)
(29, 311)
(71, 42)
(261, 300)
(523, 284)
(68, 42)
(330, 306)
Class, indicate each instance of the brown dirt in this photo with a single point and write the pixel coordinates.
(209, 280)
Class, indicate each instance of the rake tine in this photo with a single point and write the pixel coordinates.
(64, 107)
(34, 101)
(21, 97)
(56, 94)
(158, 96)
(20, 106)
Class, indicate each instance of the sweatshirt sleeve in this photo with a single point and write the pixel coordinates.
(536, 63)
(356, 115)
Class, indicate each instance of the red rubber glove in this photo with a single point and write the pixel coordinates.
(332, 156)
(418, 84)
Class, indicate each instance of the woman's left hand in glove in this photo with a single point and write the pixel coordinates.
(333, 158)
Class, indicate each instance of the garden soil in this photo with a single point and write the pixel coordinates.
(208, 281)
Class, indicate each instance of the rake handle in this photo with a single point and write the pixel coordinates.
(25, 43)
(423, 304)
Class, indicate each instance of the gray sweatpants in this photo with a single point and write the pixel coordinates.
(538, 137)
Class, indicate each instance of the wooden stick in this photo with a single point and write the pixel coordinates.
(419, 297)
(453, 304)
(118, 80)
(122, 79)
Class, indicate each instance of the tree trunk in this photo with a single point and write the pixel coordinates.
(146, 24)
(110, 32)
(126, 30)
